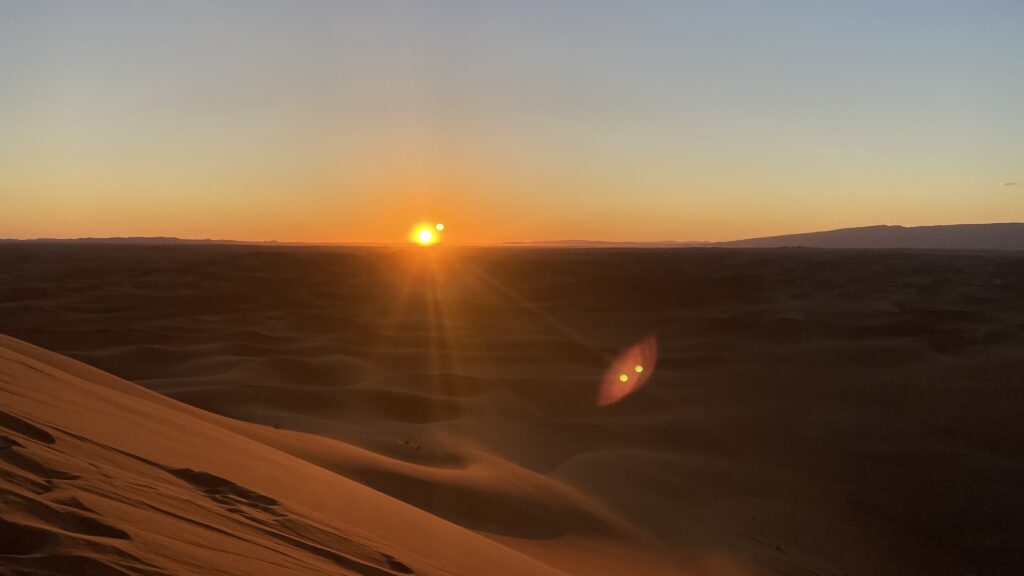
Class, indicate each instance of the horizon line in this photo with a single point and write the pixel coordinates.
(508, 243)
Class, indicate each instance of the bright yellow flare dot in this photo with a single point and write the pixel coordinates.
(638, 368)
(623, 378)
(426, 236)
(439, 226)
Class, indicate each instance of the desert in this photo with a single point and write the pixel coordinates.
(212, 409)
(511, 288)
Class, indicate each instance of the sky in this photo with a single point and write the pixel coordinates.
(333, 121)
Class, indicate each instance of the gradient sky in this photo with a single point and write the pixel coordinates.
(515, 120)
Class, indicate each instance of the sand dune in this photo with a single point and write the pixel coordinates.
(102, 477)
(300, 410)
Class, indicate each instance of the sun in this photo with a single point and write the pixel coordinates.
(427, 234)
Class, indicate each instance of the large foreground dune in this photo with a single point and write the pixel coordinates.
(99, 476)
(317, 411)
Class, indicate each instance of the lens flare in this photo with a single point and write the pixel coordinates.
(439, 227)
(631, 370)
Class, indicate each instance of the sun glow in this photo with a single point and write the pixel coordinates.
(427, 234)
(425, 237)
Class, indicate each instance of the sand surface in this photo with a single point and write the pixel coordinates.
(385, 411)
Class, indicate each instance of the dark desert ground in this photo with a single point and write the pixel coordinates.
(299, 410)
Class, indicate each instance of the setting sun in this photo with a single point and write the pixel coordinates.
(427, 234)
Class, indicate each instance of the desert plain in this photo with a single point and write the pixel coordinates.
(216, 410)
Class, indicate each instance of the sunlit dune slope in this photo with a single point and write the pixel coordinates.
(99, 476)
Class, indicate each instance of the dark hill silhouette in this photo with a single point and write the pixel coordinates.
(1009, 236)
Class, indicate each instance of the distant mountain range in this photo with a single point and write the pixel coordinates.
(138, 240)
(1007, 236)
(606, 244)
(952, 237)
(172, 240)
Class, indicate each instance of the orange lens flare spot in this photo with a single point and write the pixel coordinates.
(439, 227)
(639, 359)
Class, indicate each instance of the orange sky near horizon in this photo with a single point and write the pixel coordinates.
(351, 122)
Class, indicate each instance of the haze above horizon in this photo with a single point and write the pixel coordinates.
(350, 122)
